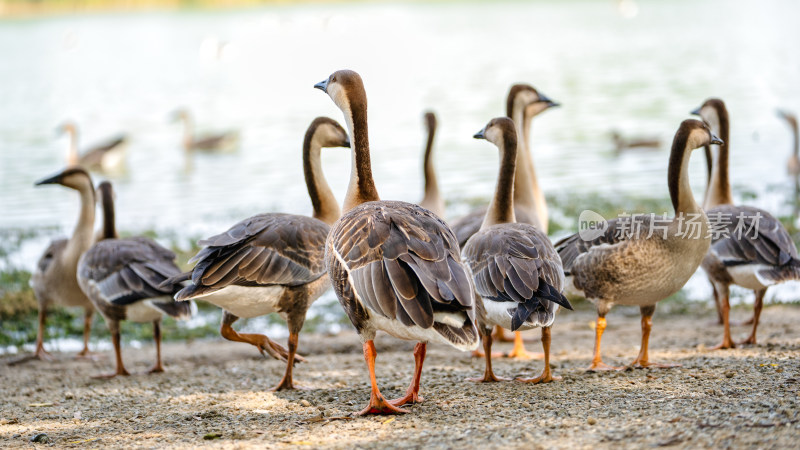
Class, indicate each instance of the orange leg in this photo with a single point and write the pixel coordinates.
(597, 360)
(377, 404)
(261, 342)
(115, 339)
(157, 367)
(488, 374)
(286, 382)
(756, 316)
(40, 351)
(546, 376)
(412, 393)
(725, 309)
(87, 331)
(519, 352)
(642, 361)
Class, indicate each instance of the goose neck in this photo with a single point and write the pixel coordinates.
(501, 208)
(322, 199)
(719, 188)
(680, 191)
(361, 188)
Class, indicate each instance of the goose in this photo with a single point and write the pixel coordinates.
(394, 266)
(643, 259)
(793, 165)
(108, 156)
(431, 201)
(217, 143)
(516, 271)
(622, 143)
(522, 104)
(54, 280)
(751, 248)
(123, 279)
(272, 262)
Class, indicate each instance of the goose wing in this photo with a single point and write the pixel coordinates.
(403, 263)
(267, 249)
(124, 271)
(55, 248)
(747, 235)
(94, 156)
(517, 263)
(468, 225)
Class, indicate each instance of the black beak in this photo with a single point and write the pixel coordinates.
(696, 112)
(716, 140)
(480, 135)
(322, 86)
(347, 142)
(55, 179)
(547, 101)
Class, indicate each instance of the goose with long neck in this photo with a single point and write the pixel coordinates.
(108, 156)
(223, 142)
(124, 279)
(793, 164)
(751, 248)
(272, 262)
(432, 200)
(523, 103)
(516, 271)
(642, 259)
(394, 266)
(54, 280)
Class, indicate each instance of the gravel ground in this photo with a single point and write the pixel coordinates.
(214, 394)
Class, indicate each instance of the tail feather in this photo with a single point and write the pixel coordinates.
(178, 310)
(463, 338)
(776, 275)
(175, 280)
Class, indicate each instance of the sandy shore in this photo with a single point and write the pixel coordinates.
(214, 393)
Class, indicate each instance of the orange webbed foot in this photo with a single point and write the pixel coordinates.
(749, 341)
(108, 376)
(724, 345)
(598, 366)
(652, 365)
(545, 377)
(409, 398)
(488, 378)
(379, 405)
(158, 368)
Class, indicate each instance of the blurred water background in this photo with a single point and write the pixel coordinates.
(636, 67)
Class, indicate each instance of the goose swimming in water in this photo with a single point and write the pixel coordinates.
(523, 103)
(124, 279)
(54, 280)
(516, 270)
(108, 156)
(272, 262)
(751, 248)
(432, 201)
(643, 259)
(395, 266)
(216, 143)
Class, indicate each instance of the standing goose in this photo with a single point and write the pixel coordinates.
(432, 201)
(644, 262)
(522, 105)
(751, 248)
(221, 143)
(514, 266)
(123, 279)
(394, 266)
(273, 262)
(54, 280)
(108, 156)
(793, 165)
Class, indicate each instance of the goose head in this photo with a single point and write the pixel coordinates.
(430, 121)
(790, 118)
(499, 131)
(179, 115)
(72, 177)
(346, 89)
(698, 134)
(713, 112)
(327, 133)
(66, 127)
(527, 97)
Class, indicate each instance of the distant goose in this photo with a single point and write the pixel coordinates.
(394, 266)
(220, 143)
(516, 270)
(432, 201)
(622, 143)
(644, 262)
(751, 248)
(122, 278)
(793, 165)
(54, 280)
(108, 156)
(522, 105)
(273, 262)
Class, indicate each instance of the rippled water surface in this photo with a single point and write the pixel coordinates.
(128, 72)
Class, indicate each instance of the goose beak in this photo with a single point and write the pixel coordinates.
(547, 101)
(322, 86)
(55, 179)
(347, 142)
(696, 112)
(480, 134)
(716, 140)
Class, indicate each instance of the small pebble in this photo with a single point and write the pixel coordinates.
(305, 403)
(591, 421)
(40, 438)
(730, 374)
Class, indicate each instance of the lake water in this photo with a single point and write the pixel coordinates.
(128, 72)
